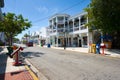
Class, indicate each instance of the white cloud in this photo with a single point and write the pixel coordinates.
(43, 31)
(42, 9)
(46, 10)
(54, 11)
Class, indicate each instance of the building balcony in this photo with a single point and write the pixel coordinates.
(70, 26)
(71, 30)
(60, 30)
(61, 22)
(76, 29)
(54, 30)
(84, 22)
(83, 27)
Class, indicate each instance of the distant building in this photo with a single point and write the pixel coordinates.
(39, 37)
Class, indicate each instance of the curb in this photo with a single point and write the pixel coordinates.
(108, 55)
(31, 73)
(35, 71)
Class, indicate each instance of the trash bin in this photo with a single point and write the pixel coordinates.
(98, 48)
(48, 46)
(10, 50)
(94, 48)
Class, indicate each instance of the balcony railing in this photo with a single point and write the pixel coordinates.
(76, 29)
(60, 30)
(61, 22)
(54, 30)
(83, 27)
(84, 22)
(71, 30)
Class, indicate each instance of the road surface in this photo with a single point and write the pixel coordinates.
(57, 64)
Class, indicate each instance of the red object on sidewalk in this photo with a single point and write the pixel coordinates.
(103, 47)
(16, 53)
(17, 63)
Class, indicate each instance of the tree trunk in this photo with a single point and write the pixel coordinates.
(11, 39)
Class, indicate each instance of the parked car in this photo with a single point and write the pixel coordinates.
(30, 44)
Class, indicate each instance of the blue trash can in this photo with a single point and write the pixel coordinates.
(98, 48)
(48, 46)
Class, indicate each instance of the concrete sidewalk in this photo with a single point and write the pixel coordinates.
(108, 52)
(10, 72)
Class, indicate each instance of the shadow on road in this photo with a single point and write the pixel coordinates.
(3, 65)
(31, 54)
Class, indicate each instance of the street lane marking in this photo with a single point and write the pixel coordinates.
(32, 74)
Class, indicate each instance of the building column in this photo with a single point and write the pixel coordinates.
(81, 40)
(72, 40)
(88, 39)
(57, 41)
(56, 25)
(50, 40)
(72, 34)
(78, 37)
(52, 26)
(64, 22)
(79, 23)
(66, 39)
(73, 25)
(53, 41)
(68, 42)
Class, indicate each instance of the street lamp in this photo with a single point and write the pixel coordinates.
(40, 38)
(64, 41)
(66, 32)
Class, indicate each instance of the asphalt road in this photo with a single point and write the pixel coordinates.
(57, 64)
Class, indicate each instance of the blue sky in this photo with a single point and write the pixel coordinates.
(39, 11)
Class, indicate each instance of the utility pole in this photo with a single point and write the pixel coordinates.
(29, 35)
(64, 41)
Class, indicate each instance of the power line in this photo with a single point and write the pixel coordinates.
(60, 11)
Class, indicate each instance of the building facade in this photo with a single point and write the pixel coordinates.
(70, 31)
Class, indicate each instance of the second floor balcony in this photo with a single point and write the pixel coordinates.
(61, 22)
(76, 29)
(60, 30)
(83, 27)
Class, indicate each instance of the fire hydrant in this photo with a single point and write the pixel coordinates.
(102, 45)
(16, 53)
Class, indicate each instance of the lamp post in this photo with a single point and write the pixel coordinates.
(64, 41)
(66, 32)
(29, 35)
(40, 38)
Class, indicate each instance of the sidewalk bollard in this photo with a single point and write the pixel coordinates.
(103, 47)
(16, 53)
